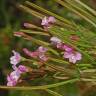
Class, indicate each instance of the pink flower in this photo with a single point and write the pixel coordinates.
(73, 57)
(16, 58)
(15, 75)
(66, 48)
(13, 78)
(60, 45)
(42, 49)
(39, 53)
(11, 83)
(22, 69)
(43, 57)
(47, 22)
(51, 19)
(56, 41)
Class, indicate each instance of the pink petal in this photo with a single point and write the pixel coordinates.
(42, 49)
(22, 69)
(11, 83)
(67, 54)
(72, 59)
(55, 39)
(67, 48)
(51, 19)
(44, 21)
(78, 56)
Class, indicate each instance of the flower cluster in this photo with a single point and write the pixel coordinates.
(69, 52)
(14, 76)
(41, 53)
(38, 54)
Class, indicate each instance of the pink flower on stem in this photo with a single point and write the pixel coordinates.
(42, 49)
(22, 69)
(13, 78)
(56, 42)
(72, 56)
(66, 48)
(39, 53)
(51, 19)
(16, 58)
(43, 57)
(60, 45)
(11, 83)
(47, 22)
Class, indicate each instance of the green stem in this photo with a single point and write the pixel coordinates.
(40, 87)
(75, 11)
(53, 92)
(35, 32)
(59, 61)
(87, 7)
(82, 11)
(32, 12)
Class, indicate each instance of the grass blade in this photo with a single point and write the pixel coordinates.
(53, 92)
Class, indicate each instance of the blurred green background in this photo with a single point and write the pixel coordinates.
(12, 19)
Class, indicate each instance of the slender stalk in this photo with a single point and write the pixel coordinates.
(35, 32)
(34, 26)
(75, 11)
(82, 11)
(53, 92)
(32, 12)
(60, 77)
(59, 61)
(40, 87)
(88, 80)
(87, 7)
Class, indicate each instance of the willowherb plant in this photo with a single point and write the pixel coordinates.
(67, 56)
